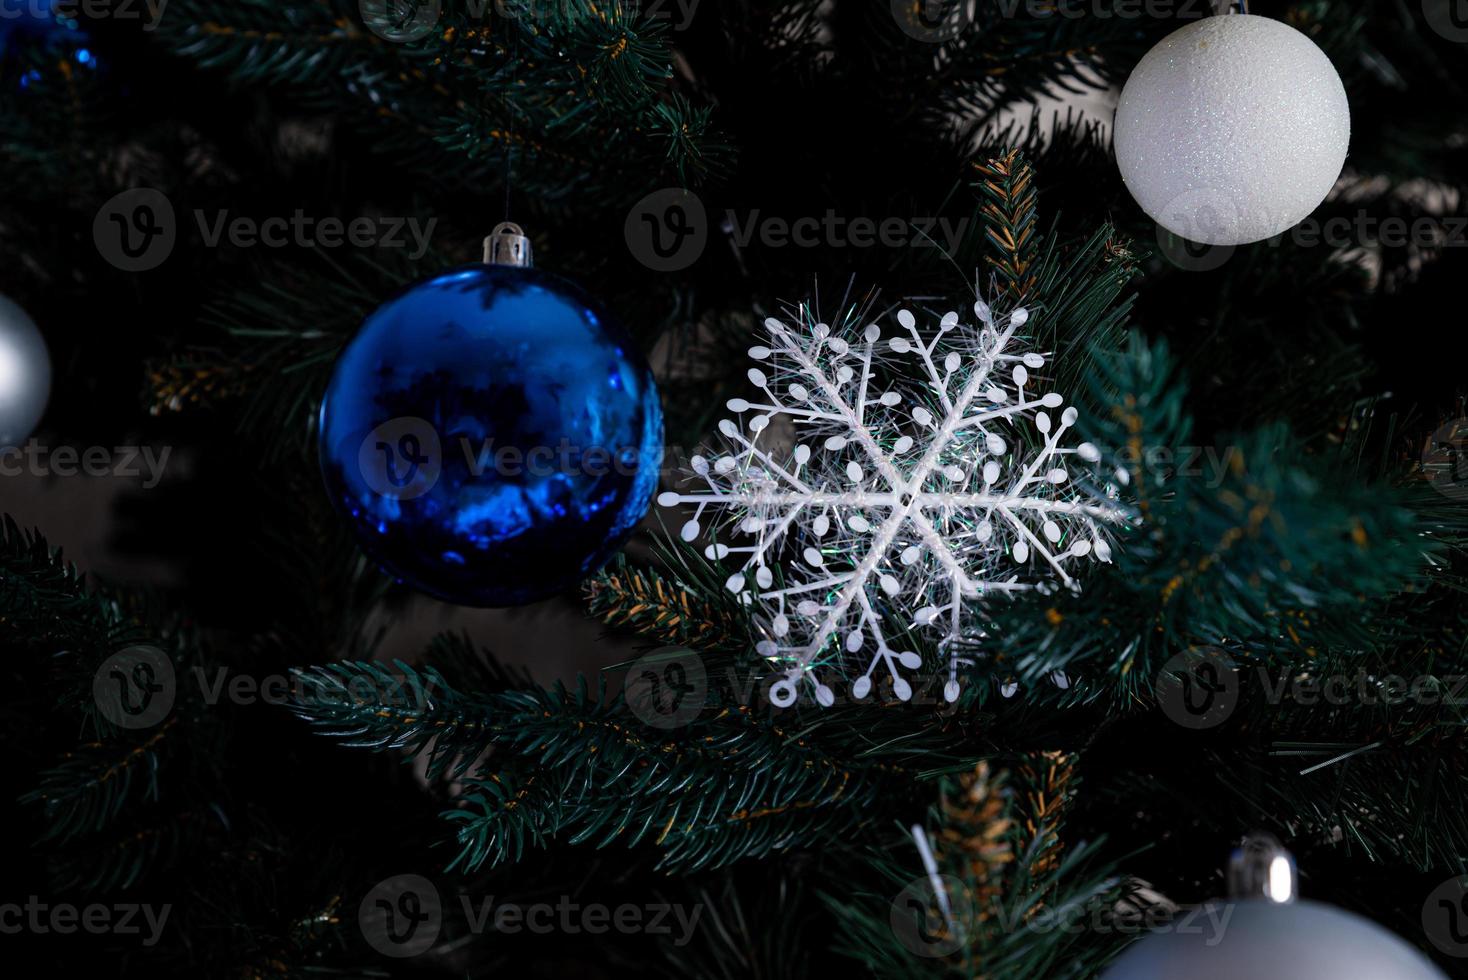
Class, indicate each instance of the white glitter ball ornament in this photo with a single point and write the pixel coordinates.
(1232, 130)
(25, 374)
(1264, 932)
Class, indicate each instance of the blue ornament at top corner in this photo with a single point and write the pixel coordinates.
(492, 435)
(37, 25)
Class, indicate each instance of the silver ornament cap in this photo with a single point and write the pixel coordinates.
(508, 245)
(1261, 868)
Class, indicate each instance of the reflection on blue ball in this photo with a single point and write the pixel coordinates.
(492, 435)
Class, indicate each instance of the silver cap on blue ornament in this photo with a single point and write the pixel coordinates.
(1261, 868)
(508, 245)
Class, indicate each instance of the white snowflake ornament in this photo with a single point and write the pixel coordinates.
(907, 499)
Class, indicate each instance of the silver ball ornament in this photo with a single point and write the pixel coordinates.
(1263, 932)
(1232, 130)
(25, 374)
(1261, 940)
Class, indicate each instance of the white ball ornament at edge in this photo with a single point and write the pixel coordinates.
(1259, 940)
(25, 374)
(1232, 129)
(1264, 932)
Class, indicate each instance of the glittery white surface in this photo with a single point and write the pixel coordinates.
(1232, 129)
(1260, 940)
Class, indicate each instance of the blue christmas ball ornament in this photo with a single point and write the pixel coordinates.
(492, 435)
(38, 26)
